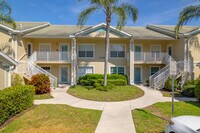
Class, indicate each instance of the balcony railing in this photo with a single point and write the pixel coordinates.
(52, 56)
(151, 57)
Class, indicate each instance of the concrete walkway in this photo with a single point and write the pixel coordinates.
(116, 116)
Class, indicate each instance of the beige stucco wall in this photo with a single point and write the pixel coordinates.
(99, 48)
(2, 77)
(194, 54)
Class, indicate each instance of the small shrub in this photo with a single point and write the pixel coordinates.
(15, 99)
(41, 83)
(168, 84)
(100, 87)
(197, 90)
(188, 90)
(16, 79)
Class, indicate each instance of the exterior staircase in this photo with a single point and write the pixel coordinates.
(31, 68)
(157, 81)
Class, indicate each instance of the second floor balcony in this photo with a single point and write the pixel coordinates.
(51, 57)
(151, 57)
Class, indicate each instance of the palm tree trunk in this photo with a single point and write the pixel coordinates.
(107, 40)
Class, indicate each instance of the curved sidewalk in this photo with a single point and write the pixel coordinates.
(116, 116)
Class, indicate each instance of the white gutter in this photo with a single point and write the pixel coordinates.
(193, 32)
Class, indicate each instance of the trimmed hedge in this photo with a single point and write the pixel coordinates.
(115, 79)
(197, 89)
(116, 82)
(15, 99)
(188, 90)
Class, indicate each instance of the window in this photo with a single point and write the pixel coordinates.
(117, 70)
(155, 51)
(85, 70)
(154, 70)
(117, 51)
(29, 50)
(86, 51)
(48, 69)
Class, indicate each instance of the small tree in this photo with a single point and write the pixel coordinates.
(16, 79)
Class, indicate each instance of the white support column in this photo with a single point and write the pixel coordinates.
(132, 61)
(74, 62)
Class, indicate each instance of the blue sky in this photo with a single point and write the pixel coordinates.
(67, 11)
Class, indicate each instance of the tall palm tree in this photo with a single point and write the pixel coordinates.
(123, 11)
(5, 11)
(188, 14)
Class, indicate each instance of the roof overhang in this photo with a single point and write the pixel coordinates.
(22, 32)
(91, 29)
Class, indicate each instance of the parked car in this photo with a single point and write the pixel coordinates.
(183, 124)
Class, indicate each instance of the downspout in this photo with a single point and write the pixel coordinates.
(132, 61)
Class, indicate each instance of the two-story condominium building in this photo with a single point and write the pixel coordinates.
(66, 52)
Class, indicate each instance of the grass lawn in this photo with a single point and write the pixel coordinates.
(55, 119)
(43, 96)
(169, 94)
(121, 93)
(153, 119)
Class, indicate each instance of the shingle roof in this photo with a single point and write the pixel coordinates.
(63, 31)
(144, 33)
(183, 30)
(56, 31)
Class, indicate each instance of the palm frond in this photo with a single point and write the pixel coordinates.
(5, 9)
(131, 11)
(7, 20)
(122, 16)
(84, 15)
(187, 14)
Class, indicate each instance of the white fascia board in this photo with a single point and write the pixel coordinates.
(100, 25)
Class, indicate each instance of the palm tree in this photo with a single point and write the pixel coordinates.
(187, 14)
(5, 11)
(123, 11)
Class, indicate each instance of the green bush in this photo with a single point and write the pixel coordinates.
(188, 90)
(15, 99)
(16, 79)
(41, 83)
(100, 87)
(197, 90)
(168, 84)
(90, 77)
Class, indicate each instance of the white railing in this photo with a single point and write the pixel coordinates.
(33, 69)
(151, 57)
(55, 56)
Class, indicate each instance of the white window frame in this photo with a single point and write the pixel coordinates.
(44, 44)
(29, 43)
(117, 69)
(118, 57)
(46, 66)
(85, 67)
(154, 66)
(67, 75)
(93, 45)
(159, 50)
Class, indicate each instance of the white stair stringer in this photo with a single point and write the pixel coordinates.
(157, 81)
(33, 69)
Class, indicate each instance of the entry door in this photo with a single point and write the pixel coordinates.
(64, 74)
(169, 50)
(137, 75)
(138, 52)
(64, 50)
